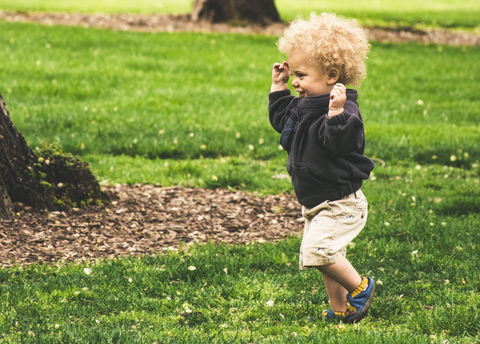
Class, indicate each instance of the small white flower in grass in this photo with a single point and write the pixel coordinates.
(225, 270)
(351, 245)
(134, 327)
(432, 224)
(251, 147)
(88, 271)
(294, 334)
(237, 135)
(387, 224)
(191, 268)
(203, 147)
(280, 147)
(453, 158)
(270, 303)
(420, 102)
(446, 282)
(39, 62)
(444, 224)
(413, 198)
(223, 325)
(57, 325)
(379, 282)
(418, 167)
(192, 135)
(434, 157)
(261, 141)
(168, 298)
(214, 178)
(415, 253)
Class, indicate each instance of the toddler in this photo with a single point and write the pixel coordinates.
(323, 134)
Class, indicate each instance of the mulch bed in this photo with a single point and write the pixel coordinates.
(183, 22)
(147, 219)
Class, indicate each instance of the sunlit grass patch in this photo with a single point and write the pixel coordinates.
(443, 13)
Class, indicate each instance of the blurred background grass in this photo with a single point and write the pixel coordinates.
(436, 13)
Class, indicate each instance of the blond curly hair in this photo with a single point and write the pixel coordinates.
(331, 42)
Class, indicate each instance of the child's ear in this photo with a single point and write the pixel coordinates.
(332, 76)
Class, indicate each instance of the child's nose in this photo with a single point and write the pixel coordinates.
(294, 82)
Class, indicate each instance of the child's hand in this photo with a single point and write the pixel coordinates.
(280, 76)
(338, 96)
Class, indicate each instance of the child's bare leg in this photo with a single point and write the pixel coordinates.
(336, 293)
(339, 278)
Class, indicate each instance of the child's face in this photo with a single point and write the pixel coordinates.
(307, 80)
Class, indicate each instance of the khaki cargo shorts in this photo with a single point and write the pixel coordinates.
(330, 227)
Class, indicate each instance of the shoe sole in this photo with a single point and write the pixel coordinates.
(364, 311)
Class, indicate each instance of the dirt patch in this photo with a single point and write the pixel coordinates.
(183, 22)
(146, 219)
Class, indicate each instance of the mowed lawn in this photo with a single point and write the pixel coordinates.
(190, 109)
(441, 13)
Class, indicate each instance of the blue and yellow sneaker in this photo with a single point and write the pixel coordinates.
(358, 302)
(329, 315)
(332, 315)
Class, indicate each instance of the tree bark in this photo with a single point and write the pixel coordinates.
(58, 181)
(6, 207)
(261, 12)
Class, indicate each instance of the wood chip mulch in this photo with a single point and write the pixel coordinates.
(183, 22)
(146, 219)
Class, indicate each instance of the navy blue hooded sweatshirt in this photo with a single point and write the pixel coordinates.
(325, 154)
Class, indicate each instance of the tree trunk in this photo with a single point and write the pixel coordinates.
(261, 12)
(52, 182)
(6, 207)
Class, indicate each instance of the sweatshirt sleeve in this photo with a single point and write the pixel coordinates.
(344, 133)
(279, 103)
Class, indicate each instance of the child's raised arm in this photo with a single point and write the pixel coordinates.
(280, 76)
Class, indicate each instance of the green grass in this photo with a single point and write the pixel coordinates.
(190, 109)
(419, 244)
(184, 97)
(443, 13)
